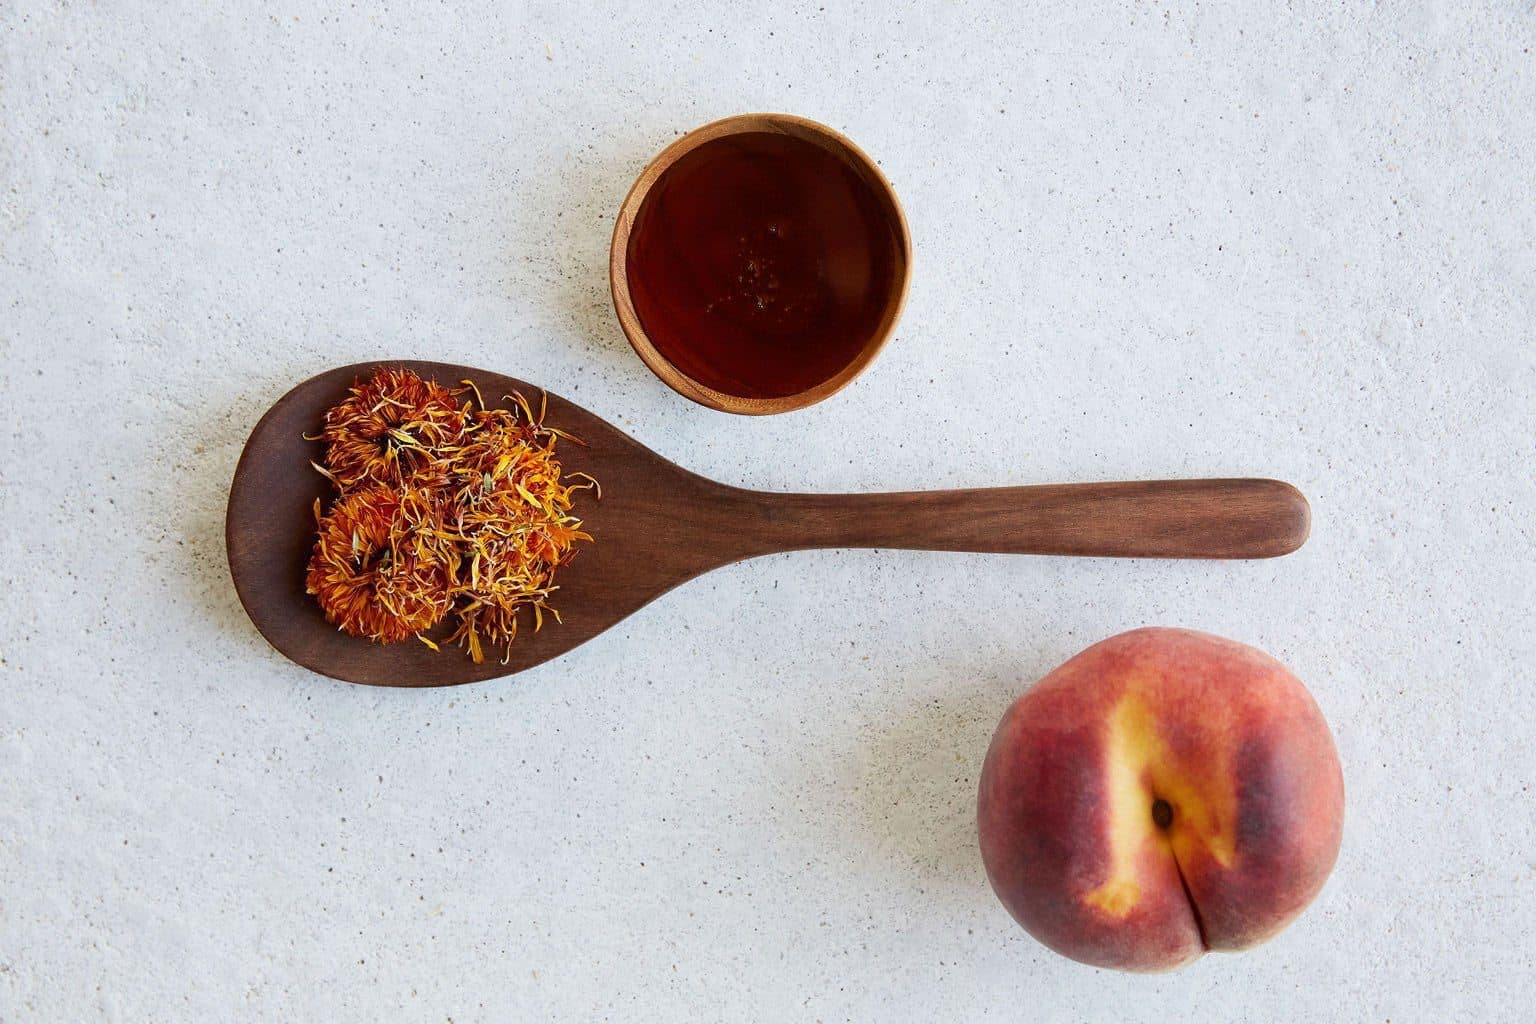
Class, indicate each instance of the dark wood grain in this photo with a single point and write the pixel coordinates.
(658, 525)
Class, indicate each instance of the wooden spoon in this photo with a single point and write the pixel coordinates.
(658, 525)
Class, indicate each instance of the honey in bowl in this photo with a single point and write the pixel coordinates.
(763, 264)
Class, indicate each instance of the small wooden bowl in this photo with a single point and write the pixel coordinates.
(864, 168)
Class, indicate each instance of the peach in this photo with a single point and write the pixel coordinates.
(1163, 793)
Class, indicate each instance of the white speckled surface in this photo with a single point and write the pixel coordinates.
(1150, 240)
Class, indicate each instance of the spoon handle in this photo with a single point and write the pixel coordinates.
(1143, 519)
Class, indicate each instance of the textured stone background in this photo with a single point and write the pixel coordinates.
(1151, 239)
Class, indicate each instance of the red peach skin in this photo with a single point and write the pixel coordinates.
(1163, 793)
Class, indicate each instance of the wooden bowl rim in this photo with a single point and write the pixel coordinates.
(618, 258)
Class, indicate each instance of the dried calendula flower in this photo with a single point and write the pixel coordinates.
(371, 572)
(480, 522)
(512, 524)
(389, 429)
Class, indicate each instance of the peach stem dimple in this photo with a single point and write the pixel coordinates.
(1162, 813)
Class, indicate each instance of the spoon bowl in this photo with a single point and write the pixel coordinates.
(658, 525)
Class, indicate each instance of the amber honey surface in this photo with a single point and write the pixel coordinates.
(760, 264)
